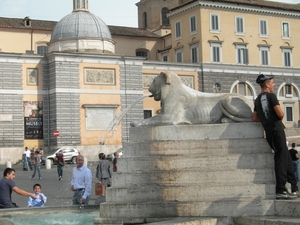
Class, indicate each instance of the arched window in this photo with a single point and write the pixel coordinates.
(288, 91)
(217, 87)
(289, 96)
(164, 19)
(42, 50)
(243, 88)
(145, 20)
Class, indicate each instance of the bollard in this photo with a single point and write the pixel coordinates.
(48, 164)
(8, 164)
(85, 161)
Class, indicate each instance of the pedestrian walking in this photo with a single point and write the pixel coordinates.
(103, 173)
(37, 164)
(115, 162)
(32, 156)
(295, 158)
(28, 160)
(60, 163)
(24, 159)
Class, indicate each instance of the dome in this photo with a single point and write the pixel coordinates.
(80, 24)
(81, 31)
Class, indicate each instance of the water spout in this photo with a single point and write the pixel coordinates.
(117, 120)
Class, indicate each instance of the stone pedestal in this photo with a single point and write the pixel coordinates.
(213, 170)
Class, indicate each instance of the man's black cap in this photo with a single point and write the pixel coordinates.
(262, 78)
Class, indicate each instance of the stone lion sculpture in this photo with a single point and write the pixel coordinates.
(183, 105)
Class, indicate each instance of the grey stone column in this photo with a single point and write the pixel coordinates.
(131, 79)
(64, 103)
(11, 130)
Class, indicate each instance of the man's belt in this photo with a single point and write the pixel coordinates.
(79, 189)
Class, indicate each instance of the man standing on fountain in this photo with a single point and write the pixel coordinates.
(81, 183)
(267, 111)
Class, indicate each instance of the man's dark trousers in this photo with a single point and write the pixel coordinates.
(284, 168)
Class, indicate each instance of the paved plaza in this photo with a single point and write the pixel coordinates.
(57, 192)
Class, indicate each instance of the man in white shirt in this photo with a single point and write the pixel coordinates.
(28, 152)
(24, 158)
(81, 183)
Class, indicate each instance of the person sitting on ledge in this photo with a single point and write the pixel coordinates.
(7, 185)
(40, 197)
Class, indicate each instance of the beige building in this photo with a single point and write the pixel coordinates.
(234, 41)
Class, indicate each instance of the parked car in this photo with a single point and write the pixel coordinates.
(70, 154)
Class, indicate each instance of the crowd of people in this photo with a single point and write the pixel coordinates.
(81, 182)
(29, 157)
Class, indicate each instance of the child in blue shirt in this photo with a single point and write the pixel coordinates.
(40, 197)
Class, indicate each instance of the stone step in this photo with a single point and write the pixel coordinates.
(162, 221)
(176, 177)
(204, 163)
(249, 207)
(188, 221)
(197, 132)
(262, 220)
(210, 193)
(288, 208)
(192, 147)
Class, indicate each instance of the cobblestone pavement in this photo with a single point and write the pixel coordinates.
(57, 192)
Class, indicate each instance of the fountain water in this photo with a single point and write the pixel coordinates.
(116, 121)
(45, 216)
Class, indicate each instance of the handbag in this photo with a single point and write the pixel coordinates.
(61, 163)
(99, 189)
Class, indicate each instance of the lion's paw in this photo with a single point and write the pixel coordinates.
(227, 120)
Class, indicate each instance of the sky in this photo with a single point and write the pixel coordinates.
(112, 12)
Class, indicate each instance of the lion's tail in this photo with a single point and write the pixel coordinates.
(234, 118)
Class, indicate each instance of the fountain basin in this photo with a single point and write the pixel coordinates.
(60, 215)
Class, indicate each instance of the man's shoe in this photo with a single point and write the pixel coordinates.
(296, 193)
(285, 195)
(59, 178)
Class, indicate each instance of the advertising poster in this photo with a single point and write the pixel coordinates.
(33, 119)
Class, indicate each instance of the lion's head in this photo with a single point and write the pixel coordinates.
(158, 82)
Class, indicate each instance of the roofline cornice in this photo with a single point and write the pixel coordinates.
(26, 28)
(233, 7)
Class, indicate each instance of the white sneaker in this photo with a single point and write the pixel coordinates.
(296, 193)
(285, 195)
